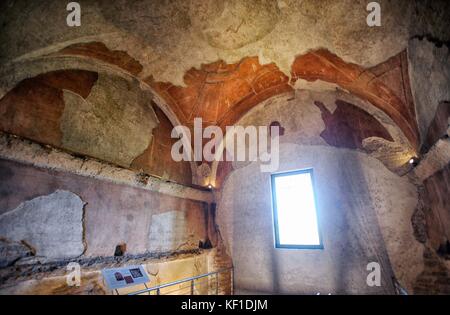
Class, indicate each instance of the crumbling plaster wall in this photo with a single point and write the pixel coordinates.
(429, 67)
(50, 226)
(431, 220)
(429, 70)
(144, 220)
(437, 189)
(49, 218)
(364, 209)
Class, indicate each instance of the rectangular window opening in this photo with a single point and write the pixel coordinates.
(294, 210)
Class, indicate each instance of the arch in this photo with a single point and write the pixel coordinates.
(25, 68)
(222, 93)
(391, 139)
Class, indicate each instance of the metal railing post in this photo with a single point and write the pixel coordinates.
(192, 287)
(149, 292)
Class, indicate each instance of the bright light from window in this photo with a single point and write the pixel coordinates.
(294, 207)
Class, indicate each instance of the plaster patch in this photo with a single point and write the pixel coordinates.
(51, 225)
(168, 231)
(113, 124)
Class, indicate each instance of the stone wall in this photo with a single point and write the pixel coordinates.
(437, 190)
(429, 58)
(429, 70)
(431, 223)
(435, 278)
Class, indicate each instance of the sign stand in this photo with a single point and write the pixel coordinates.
(119, 278)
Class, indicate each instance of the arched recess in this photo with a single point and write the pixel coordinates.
(61, 59)
(386, 85)
(355, 123)
(37, 67)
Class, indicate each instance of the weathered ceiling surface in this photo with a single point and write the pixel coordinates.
(386, 85)
(170, 37)
(97, 50)
(93, 85)
(220, 93)
(91, 114)
(26, 109)
(349, 125)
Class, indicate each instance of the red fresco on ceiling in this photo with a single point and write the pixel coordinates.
(386, 86)
(221, 93)
(349, 125)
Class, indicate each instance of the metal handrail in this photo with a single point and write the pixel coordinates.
(192, 279)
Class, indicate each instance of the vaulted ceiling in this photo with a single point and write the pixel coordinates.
(178, 60)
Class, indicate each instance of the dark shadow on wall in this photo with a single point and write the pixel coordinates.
(264, 276)
(366, 240)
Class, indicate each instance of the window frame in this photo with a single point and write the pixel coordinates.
(275, 210)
